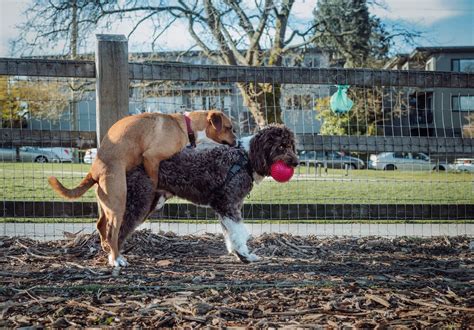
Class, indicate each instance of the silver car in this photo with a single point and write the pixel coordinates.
(405, 161)
(330, 159)
(28, 154)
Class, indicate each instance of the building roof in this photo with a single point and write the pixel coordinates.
(418, 52)
(398, 59)
(437, 50)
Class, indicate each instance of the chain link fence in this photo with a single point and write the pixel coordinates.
(398, 162)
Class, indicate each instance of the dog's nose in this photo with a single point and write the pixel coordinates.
(295, 162)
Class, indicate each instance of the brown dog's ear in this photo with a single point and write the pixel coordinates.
(215, 118)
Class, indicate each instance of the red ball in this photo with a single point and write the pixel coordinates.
(281, 172)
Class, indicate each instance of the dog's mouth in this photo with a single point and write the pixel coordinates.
(292, 162)
(227, 143)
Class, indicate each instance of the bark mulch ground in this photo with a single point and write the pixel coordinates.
(190, 281)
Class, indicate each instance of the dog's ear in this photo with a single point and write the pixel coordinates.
(258, 153)
(215, 118)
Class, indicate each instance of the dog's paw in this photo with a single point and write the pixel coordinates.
(247, 258)
(253, 257)
(105, 246)
(119, 262)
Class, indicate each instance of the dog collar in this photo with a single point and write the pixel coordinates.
(191, 136)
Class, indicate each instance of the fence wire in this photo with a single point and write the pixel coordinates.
(399, 162)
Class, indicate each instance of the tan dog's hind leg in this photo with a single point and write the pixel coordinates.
(151, 165)
(101, 226)
(113, 196)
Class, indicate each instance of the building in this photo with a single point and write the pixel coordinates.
(441, 112)
(297, 101)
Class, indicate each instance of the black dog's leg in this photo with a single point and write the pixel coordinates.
(236, 236)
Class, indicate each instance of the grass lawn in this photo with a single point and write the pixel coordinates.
(28, 181)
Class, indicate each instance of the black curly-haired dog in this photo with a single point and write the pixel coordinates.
(219, 177)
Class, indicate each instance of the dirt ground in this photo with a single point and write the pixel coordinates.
(177, 281)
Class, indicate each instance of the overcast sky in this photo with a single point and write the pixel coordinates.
(445, 23)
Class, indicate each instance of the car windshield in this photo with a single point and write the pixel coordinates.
(420, 156)
(306, 154)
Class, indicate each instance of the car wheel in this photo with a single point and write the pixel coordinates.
(440, 168)
(389, 167)
(41, 159)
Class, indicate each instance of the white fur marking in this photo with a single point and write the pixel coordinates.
(245, 142)
(203, 138)
(161, 203)
(236, 236)
(119, 262)
(257, 177)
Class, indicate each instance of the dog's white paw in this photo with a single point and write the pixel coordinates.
(246, 257)
(119, 262)
(253, 257)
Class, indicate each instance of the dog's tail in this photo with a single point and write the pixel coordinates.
(73, 193)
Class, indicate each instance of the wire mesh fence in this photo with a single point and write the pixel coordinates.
(398, 162)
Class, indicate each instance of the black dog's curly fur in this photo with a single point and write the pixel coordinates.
(201, 176)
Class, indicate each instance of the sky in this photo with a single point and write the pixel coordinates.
(444, 23)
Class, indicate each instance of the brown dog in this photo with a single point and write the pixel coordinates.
(147, 138)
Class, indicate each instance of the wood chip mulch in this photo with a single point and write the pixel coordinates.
(177, 281)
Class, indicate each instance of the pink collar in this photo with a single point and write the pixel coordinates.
(191, 136)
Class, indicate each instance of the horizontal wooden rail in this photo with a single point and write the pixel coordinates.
(174, 71)
(291, 75)
(47, 68)
(57, 209)
(13, 137)
(429, 145)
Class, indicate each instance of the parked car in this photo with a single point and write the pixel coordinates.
(405, 161)
(65, 155)
(464, 165)
(28, 154)
(330, 159)
(90, 155)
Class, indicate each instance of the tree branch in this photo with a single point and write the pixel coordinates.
(301, 34)
(198, 40)
(140, 22)
(214, 23)
(280, 30)
(254, 47)
(244, 21)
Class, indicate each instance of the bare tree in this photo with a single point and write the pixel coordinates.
(231, 32)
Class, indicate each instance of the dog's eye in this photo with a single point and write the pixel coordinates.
(281, 147)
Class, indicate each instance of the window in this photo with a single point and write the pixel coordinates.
(462, 65)
(462, 103)
(418, 156)
(299, 102)
(402, 155)
(430, 65)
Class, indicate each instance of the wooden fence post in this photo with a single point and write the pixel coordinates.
(111, 63)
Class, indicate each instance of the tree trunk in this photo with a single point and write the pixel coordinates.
(263, 101)
(73, 55)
